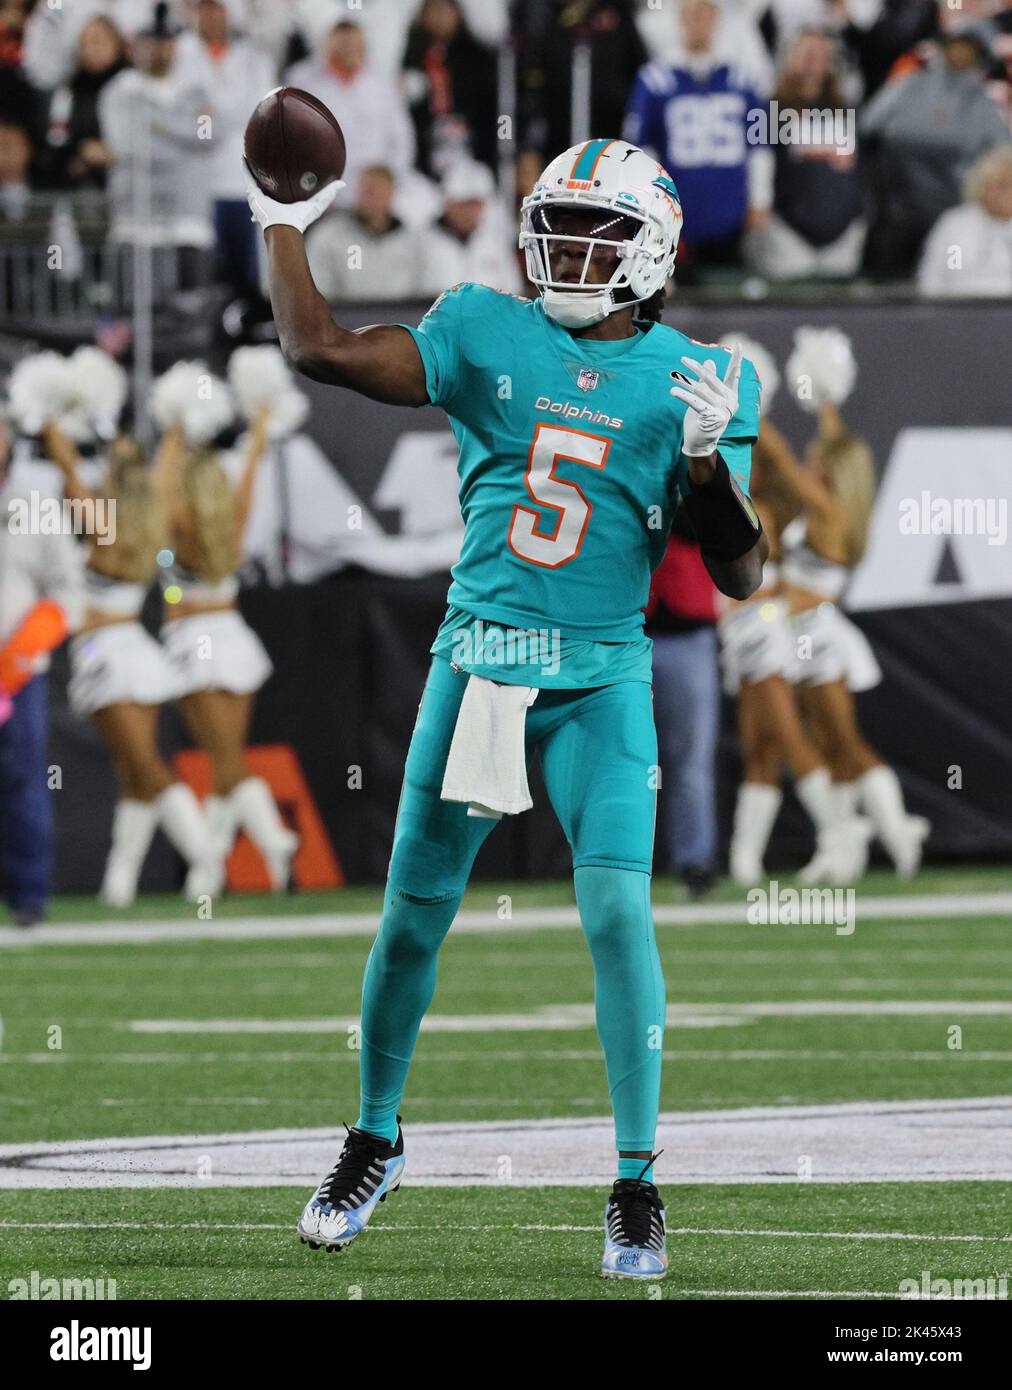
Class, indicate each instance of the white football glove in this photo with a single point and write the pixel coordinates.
(711, 403)
(270, 213)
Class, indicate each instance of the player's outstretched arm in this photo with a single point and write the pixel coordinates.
(382, 363)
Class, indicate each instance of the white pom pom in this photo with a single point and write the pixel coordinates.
(761, 358)
(172, 392)
(39, 390)
(259, 376)
(287, 413)
(76, 422)
(99, 385)
(256, 375)
(821, 368)
(191, 396)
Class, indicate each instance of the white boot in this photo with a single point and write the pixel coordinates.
(255, 809)
(221, 823)
(181, 817)
(815, 792)
(902, 835)
(841, 854)
(824, 807)
(754, 814)
(133, 827)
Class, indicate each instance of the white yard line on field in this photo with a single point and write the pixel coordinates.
(828, 1235)
(788, 1293)
(561, 1018)
(941, 1056)
(861, 1141)
(337, 924)
(562, 1228)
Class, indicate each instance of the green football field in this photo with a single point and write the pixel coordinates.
(836, 1112)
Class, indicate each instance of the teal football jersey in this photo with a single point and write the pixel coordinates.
(570, 459)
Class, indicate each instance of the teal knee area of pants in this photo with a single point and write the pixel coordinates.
(615, 912)
(413, 926)
(617, 920)
(427, 901)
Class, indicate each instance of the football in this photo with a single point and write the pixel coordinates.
(293, 146)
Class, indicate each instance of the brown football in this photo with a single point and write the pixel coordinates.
(293, 145)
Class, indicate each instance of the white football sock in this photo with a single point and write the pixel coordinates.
(255, 809)
(133, 827)
(754, 814)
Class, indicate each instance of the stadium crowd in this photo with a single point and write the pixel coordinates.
(136, 111)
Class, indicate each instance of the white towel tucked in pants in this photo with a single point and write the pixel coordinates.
(487, 764)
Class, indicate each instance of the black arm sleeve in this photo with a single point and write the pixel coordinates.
(723, 518)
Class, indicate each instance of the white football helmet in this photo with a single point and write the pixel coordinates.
(617, 178)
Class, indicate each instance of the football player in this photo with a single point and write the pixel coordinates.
(581, 427)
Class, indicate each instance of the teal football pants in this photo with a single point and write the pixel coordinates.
(598, 752)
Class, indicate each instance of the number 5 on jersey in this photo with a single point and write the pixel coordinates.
(572, 510)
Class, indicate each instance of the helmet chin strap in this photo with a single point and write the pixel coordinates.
(578, 308)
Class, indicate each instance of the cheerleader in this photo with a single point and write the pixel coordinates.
(835, 490)
(218, 661)
(119, 674)
(757, 651)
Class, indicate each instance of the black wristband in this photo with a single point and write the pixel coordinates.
(723, 518)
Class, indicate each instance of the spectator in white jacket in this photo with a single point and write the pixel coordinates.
(367, 252)
(368, 105)
(217, 57)
(472, 239)
(969, 249)
(155, 121)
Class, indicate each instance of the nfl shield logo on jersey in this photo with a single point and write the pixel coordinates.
(588, 379)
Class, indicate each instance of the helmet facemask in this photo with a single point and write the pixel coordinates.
(588, 261)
